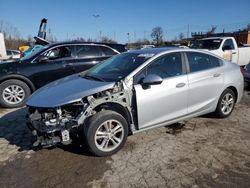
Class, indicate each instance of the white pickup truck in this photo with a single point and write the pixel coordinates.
(225, 47)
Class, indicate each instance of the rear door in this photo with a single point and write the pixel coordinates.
(164, 102)
(87, 56)
(205, 79)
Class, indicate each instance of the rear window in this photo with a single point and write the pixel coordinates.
(199, 61)
(8, 52)
(15, 53)
(85, 51)
(107, 51)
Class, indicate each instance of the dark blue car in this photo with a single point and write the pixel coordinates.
(18, 79)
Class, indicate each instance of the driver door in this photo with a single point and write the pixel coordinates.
(167, 101)
(58, 64)
(230, 53)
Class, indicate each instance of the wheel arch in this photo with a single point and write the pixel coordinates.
(234, 89)
(117, 108)
(20, 78)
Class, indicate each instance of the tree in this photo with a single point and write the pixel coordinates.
(181, 36)
(10, 32)
(157, 35)
(50, 37)
(248, 27)
(107, 40)
(212, 30)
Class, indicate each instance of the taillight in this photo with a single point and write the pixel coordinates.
(242, 70)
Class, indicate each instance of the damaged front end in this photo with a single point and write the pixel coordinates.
(56, 125)
(53, 125)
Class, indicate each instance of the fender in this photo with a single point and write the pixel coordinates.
(119, 98)
(19, 77)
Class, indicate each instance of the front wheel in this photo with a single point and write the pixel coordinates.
(106, 132)
(225, 104)
(13, 93)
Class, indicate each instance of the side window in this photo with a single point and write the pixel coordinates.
(166, 66)
(15, 53)
(215, 62)
(199, 61)
(85, 51)
(59, 53)
(8, 52)
(228, 45)
(107, 51)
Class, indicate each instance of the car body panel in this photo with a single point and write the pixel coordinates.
(247, 74)
(162, 98)
(61, 92)
(204, 89)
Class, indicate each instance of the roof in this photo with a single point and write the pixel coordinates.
(79, 42)
(119, 47)
(215, 38)
(154, 50)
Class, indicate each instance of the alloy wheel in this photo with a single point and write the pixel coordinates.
(227, 104)
(109, 135)
(13, 94)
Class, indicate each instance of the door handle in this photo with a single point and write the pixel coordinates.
(233, 52)
(68, 65)
(216, 74)
(180, 85)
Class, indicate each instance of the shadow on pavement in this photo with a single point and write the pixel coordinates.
(13, 128)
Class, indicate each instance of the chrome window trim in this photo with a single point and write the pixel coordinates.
(60, 45)
(184, 68)
(188, 67)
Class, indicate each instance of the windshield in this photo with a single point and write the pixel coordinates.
(117, 67)
(210, 44)
(34, 53)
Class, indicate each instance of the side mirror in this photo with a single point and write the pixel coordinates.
(152, 79)
(227, 47)
(42, 59)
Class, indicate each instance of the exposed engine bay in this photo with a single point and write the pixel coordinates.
(57, 125)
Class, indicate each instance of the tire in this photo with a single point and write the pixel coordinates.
(103, 122)
(225, 104)
(13, 93)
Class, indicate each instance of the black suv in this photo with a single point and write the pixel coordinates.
(19, 79)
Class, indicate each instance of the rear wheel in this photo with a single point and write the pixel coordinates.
(106, 133)
(13, 93)
(225, 104)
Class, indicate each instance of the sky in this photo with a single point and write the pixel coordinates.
(69, 19)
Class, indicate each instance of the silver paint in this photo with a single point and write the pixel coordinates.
(67, 90)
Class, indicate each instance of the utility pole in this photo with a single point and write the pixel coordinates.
(188, 31)
(100, 36)
(128, 38)
(96, 16)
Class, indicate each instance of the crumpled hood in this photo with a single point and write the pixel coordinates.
(65, 91)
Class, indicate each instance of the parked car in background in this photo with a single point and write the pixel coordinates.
(246, 73)
(32, 49)
(225, 47)
(133, 92)
(13, 54)
(20, 78)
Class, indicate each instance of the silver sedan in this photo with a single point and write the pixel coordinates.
(133, 92)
